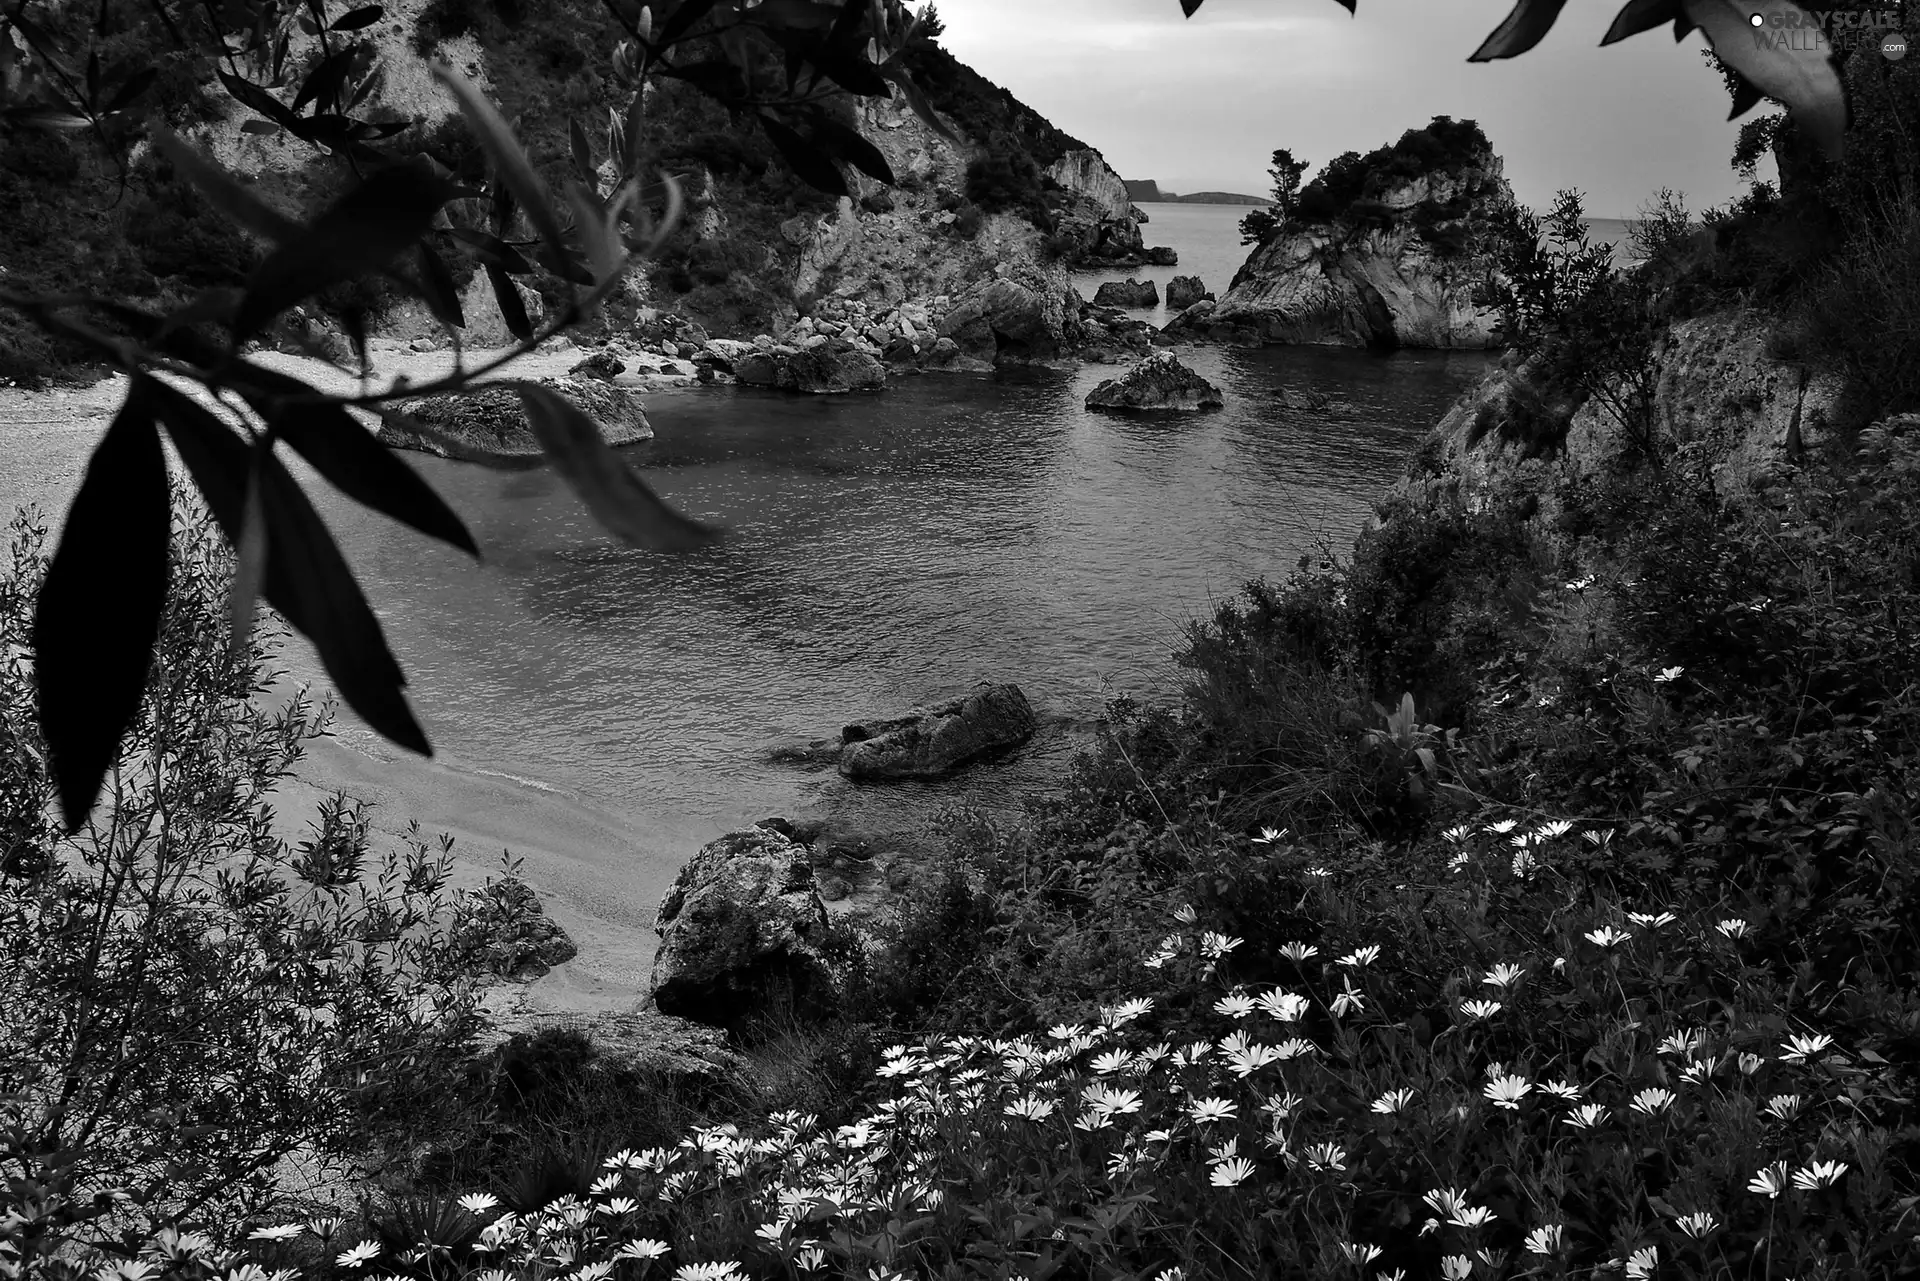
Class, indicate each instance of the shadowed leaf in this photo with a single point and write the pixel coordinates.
(515, 171)
(225, 192)
(323, 83)
(492, 249)
(1523, 28)
(438, 288)
(358, 18)
(99, 608)
(512, 310)
(850, 146)
(306, 578)
(1806, 79)
(682, 19)
(618, 498)
(1640, 15)
(808, 163)
(361, 233)
(249, 559)
(350, 458)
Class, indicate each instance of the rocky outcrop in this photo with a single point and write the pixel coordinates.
(603, 365)
(501, 930)
(1127, 293)
(819, 366)
(1184, 291)
(1404, 267)
(929, 743)
(1101, 227)
(488, 424)
(743, 916)
(1718, 396)
(1012, 320)
(632, 1051)
(1159, 382)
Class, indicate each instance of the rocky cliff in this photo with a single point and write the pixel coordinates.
(1720, 401)
(1386, 250)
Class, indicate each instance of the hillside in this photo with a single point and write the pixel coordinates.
(747, 260)
(1147, 192)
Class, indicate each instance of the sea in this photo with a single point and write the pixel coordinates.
(599, 712)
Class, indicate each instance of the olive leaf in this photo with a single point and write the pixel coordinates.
(1807, 80)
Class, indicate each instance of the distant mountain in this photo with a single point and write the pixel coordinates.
(1144, 191)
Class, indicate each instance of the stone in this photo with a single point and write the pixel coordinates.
(937, 740)
(823, 366)
(501, 930)
(742, 916)
(797, 230)
(1160, 382)
(833, 889)
(1007, 320)
(1300, 399)
(1162, 256)
(1127, 293)
(724, 353)
(488, 424)
(601, 364)
(1184, 291)
(638, 1051)
(423, 344)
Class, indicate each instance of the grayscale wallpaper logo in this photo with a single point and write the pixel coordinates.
(1832, 29)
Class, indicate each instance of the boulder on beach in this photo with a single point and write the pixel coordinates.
(1159, 382)
(928, 743)
(601, 364)
(501, 930)
(744, 916)
(1184, 291)
(830, 366)
(1127, 293)
(1006, 320)
(488, 424)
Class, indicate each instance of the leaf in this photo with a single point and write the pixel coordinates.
(583, 166)
(259, 99)
(224, 191)
(1523, 29)
(807, 163)
(358, 18)
(493, 250)
(261, 127)
(349, 456)
(793, 15)
(1640, 15)
(1745, 97)
(618, 498)
(845, 67)
(1806, 79)
(918, 102)
(437, 287)
(250, 556)
(136, 85)
(322, 85)
(99, 608)
(631, 133)
(362, 232)
(306, 578)
(509, 158)
(512, 310)
(848, 145)
(682, 20)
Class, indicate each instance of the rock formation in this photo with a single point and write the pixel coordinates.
(1184, 291)
(1127, 293)
(1392, 260)
(819, 365)
(743, 915)
(1157, 383)
(929, 743)
(487, 424)
(1012, 319)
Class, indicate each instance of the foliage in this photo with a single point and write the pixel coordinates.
(1859, 316)
(1663, 227)
(1260, 225)
(1340, 189)
(980, 109)
(186, 999)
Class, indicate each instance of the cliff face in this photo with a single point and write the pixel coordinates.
(1399, 266)
(1719, 400)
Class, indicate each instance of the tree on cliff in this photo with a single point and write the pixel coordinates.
(1286, 173)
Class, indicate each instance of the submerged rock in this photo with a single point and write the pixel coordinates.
(932, 742)
(488, 424)
(1156, 383)
(1127, 293)
(743, 916)
(1301, 399)
(1184, 291)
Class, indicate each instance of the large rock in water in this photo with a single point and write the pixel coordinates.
(1184, 291)
(932, 742)
(1400, 266)
(743, 916)
(1008, 320)
(1158, 382)
(487, 424)
(1127, 293)
(833, 366)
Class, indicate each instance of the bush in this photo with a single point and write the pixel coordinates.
(1862, 316)
(184, 999)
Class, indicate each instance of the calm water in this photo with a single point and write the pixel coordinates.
(605, 710)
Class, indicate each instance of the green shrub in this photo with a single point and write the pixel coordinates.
(1861, 317)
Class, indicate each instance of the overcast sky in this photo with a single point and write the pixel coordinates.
(1200, 103)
